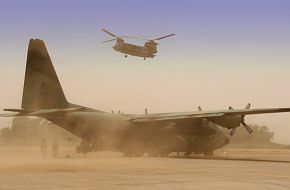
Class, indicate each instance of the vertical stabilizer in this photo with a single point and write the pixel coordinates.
(42, 89)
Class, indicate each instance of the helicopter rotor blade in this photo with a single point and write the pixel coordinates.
(111, 34)
(108, 41)
(146, 39)
(142, 37)
(136, 37)
(163, 37)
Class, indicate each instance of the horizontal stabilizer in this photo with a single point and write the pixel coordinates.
(49, 111)
(13, 110)
(41, 112)
(10, 115)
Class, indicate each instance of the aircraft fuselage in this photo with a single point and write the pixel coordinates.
(115, 132)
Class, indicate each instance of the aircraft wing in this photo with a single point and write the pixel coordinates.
(203, 114)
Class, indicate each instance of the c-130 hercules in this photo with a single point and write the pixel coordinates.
(134, 135)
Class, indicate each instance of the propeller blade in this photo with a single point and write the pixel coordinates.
(108, 41)
(248, 106)
(111, 34)
(199, 108)
(232, 131)
(163, 37)
(247, 127)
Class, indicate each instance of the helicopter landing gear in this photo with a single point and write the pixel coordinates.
(126, 56)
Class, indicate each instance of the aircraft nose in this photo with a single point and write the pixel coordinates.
(227, 140)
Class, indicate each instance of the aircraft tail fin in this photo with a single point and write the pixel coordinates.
(42, 89)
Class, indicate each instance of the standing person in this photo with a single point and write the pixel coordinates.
(43, 147)
(55, 148)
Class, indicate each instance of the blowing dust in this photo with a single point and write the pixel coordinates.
(30, 159)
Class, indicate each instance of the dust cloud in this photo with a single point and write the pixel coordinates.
(20, 150)
(30, 159)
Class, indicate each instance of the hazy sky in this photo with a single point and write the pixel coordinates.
(226, 52)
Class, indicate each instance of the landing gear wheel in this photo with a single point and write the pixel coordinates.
(144, 58)
(126, 56)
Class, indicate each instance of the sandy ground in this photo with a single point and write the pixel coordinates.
(24, 168)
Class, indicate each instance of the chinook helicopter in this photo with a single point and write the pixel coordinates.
(149, 49)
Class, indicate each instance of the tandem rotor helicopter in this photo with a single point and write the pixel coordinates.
(147, 51)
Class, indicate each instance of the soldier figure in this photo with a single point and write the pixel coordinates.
(55, 148)
(43, 147)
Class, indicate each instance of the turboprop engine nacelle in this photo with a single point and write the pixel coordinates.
(228, 122)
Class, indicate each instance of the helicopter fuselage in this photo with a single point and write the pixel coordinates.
(134, 50)
(148, 50)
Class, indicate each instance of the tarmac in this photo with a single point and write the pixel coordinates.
(249, 169)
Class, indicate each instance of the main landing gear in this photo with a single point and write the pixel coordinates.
(87, 146)
(126, 56)
(208, 153)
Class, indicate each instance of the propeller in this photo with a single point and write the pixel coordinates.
(248, 106)
(233, 130)
(246, 126)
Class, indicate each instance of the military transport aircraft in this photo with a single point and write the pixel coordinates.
(134, 135)
(147, 51)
